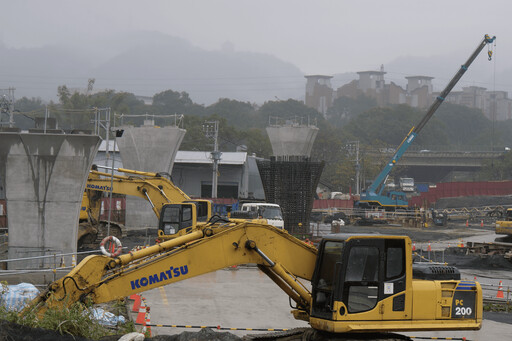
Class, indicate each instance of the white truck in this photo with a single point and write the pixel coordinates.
(271, 212)
(407, 184)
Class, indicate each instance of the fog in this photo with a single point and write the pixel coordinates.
(320, 37)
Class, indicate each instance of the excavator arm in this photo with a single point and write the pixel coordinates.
(99, 279)
(157, 190)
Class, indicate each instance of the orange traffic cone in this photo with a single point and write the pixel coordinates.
(500, 291)
(141, 316)
(136, 304)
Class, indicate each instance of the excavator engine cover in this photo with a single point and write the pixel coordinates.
(435, 272)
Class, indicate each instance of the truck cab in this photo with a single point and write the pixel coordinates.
(271, 212)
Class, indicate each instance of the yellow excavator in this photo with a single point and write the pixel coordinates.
(359, 283)
(176, 211)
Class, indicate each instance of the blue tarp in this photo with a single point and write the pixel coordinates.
(16, 295)
(105, 318)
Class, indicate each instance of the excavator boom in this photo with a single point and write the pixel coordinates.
(102, 279)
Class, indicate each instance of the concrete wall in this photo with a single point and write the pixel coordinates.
(45, 176)
(292, 140)
(149, 149)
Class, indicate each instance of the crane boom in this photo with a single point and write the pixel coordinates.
(373, 195)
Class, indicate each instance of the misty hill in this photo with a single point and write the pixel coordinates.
(146, 63)
(36, 72)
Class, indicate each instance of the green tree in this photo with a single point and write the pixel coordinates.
(26, 105)
(173, 102)
(288, 110)
(345, 108)
(238, 114)
(498, 169)
(390, 125)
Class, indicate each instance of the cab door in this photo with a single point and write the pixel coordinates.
(373, 270)
(326, 277)
(360, 281)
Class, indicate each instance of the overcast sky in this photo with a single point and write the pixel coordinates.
(317, 36)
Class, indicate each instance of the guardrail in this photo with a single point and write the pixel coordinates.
(57, 267)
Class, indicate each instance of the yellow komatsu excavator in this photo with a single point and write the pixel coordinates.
(359, 283)
(176, 211)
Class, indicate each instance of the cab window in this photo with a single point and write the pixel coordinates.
(361, 278)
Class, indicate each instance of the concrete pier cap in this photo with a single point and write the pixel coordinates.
(44, 177)
(295, 139)
(151, 149)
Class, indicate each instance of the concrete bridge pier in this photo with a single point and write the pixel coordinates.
(150, 149)
(44, 177)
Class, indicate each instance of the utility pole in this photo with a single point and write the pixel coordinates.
(211, 130)
(118, 133)
(102, 121)
(353, 147)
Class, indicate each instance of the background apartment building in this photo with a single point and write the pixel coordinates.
(418, 94)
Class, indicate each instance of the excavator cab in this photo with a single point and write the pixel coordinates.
(371, 278)
(175, 218)
(354, 275)
(203, 208)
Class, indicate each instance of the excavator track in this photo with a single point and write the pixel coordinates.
(310, 334)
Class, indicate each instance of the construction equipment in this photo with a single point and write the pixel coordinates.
(374, 196)
(176, 211)
(504, 227)
(263, 210)
(359, 283)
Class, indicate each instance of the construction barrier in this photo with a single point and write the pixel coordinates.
(141, 316)
(136, 303)
(438, 338)
(219, 327)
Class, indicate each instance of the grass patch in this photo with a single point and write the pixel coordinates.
(498, 307)
(75, 320)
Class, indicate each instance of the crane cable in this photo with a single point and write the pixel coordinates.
(490, 49)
